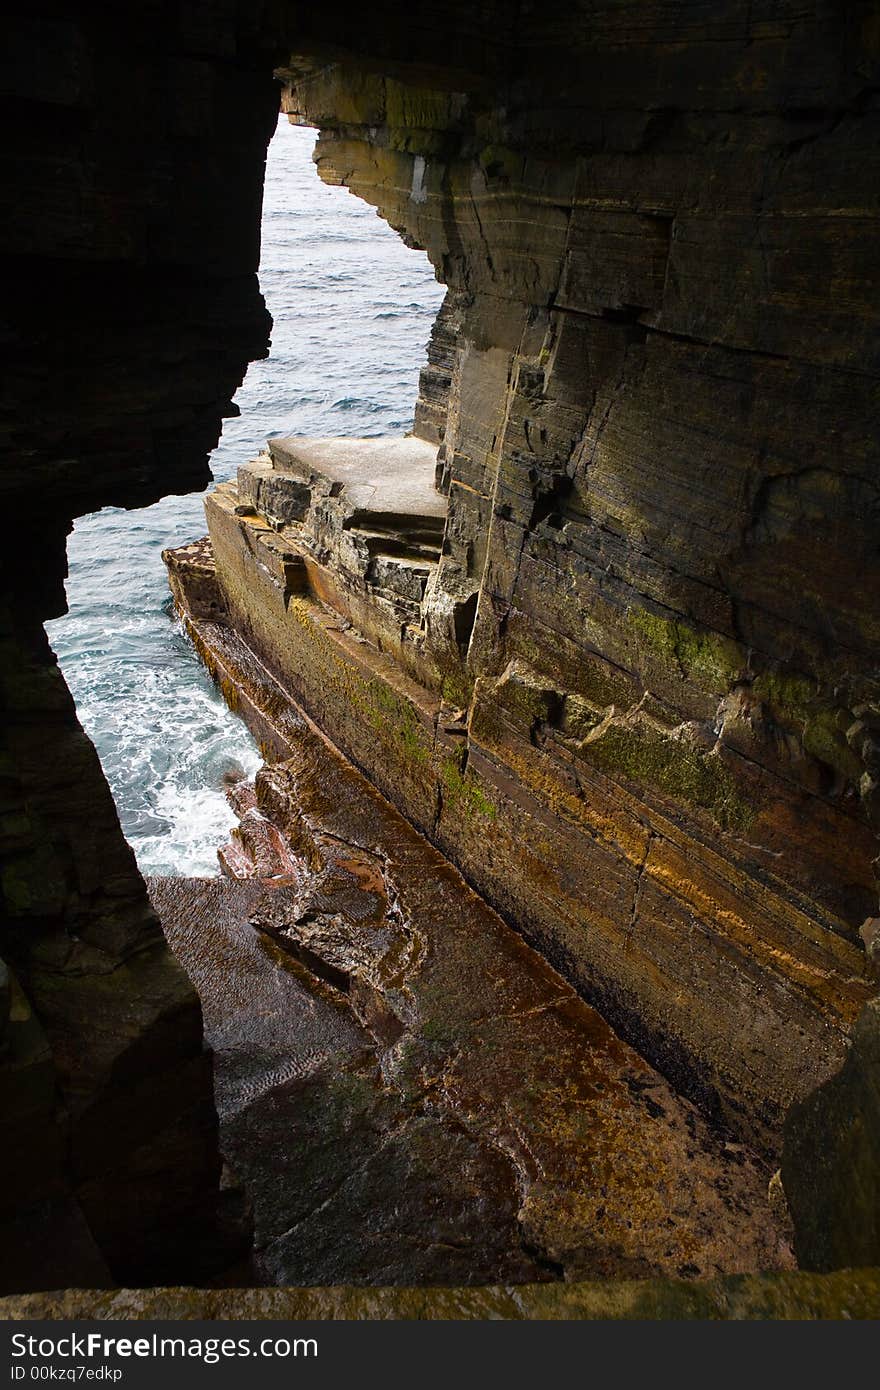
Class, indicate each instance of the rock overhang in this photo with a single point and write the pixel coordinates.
(707, 457)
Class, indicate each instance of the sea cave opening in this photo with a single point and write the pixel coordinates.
(352, 310)
(541, 953)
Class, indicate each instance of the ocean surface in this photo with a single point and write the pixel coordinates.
(353, 309)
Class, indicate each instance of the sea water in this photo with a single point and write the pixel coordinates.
(353, 308)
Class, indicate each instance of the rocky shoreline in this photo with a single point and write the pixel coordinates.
(729, 984)
(409, 1092)
(624, 676)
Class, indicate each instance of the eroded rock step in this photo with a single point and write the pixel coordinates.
(409, 1093)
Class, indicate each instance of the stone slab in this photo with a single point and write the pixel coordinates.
(380, 476)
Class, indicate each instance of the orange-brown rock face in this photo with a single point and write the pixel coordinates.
(634, 695)
(407, 1091)
(741, 990)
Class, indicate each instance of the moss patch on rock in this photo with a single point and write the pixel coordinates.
(672, 767)
(713, 662)
(463, 790)
(796, 702)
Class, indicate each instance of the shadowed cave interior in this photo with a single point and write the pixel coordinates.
(544, 953)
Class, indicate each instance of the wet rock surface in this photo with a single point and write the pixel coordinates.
(724, 977)
(408, 1092)
(347, 1181)
(655, 387)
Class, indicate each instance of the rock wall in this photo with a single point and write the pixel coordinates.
(829, 1162)
(656, 388)
(131, 187)
(651, 632)
(409, 1093)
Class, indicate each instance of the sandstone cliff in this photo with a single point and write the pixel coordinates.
(636, 698)
(643, 661)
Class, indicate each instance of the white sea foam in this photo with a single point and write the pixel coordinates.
(196, 821)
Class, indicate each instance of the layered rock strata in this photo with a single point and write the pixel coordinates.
(407, 1091)
(638, 705)
(656, 225)
(738, 987)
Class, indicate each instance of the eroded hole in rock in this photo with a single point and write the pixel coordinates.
(596, 640)
(352, 309)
